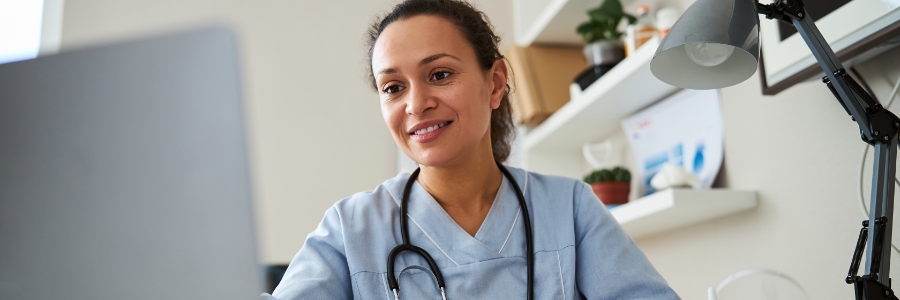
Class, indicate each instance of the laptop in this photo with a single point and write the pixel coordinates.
(124, 173)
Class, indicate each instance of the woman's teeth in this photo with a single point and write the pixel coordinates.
(430, 129)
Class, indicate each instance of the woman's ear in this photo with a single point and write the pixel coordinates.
(499, 76)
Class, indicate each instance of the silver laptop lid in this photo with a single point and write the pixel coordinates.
(124, 174)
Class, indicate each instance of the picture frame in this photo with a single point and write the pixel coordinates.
(856, 30)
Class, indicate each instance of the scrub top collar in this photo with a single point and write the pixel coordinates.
(427, 216)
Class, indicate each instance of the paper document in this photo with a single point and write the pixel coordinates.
(684, 129)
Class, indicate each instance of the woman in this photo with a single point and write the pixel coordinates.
(444, 96)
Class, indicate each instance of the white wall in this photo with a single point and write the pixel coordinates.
(800, 151)
(315, 128)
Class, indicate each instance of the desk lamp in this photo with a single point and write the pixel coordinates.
(715, 44)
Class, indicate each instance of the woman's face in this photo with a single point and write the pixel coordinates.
(435, 97)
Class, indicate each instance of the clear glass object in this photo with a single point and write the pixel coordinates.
(758, 284)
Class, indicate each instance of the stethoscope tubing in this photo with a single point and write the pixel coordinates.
(529, 235)
(407, 246)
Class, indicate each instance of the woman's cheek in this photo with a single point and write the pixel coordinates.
(387, 111)
(393, 119)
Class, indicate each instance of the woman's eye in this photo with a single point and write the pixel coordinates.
(393, 89)
(440, 76)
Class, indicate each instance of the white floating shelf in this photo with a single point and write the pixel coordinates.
(556, 23)
(552, 21)
(593, 114)
(674, 208)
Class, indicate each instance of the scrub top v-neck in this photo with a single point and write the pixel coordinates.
(580, 250)
(450, 237)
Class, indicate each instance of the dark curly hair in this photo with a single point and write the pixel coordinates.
(477, 30)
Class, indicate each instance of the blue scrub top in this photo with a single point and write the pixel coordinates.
(581, 252)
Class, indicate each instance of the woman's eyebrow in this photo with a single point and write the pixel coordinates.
(388, 71)
(435, 57)
(424, 61)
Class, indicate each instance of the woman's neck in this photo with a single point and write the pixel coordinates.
(466, 191)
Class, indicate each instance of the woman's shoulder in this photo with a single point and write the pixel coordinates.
(385, 196)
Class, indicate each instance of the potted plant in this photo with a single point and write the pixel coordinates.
(611, 186)
(603, 46)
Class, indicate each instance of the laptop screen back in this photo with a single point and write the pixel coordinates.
(124, 173)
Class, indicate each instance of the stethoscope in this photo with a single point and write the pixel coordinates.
(407, 246)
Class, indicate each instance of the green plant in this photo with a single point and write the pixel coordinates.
(603, 21)
(617, 174)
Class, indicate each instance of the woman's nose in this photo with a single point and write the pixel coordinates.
(419, 101)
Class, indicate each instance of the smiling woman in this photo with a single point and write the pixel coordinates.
(439, 41)
(430, 84)
(495, 232)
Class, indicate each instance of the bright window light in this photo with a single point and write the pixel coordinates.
(20, 29)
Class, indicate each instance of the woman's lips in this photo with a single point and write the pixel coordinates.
(431, 133)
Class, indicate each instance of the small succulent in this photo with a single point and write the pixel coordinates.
(617, 174)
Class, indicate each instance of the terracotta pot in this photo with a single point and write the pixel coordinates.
(611, 193)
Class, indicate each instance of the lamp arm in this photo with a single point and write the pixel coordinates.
(878, 127)
(855, 101)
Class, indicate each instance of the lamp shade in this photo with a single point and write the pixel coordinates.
(714, 44)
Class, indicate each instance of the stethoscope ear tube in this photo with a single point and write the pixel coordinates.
(404, 224)
(529, 237)
(407, 246)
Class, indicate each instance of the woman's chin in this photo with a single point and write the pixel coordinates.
(432, 162)
(433, 158)
(446, 155)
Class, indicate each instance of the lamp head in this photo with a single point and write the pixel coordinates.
(714, 44)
